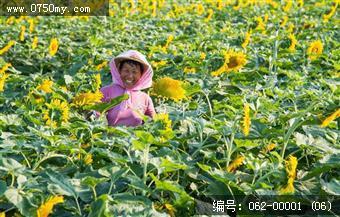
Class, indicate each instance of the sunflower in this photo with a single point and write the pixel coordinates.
(46, 86)
(289, 188)
(331, 118)
(22, 33)
(269, 147)
(101, 65)
(260, 24)
(7, 47)
(326, 17)
(31, 22)
(10, 20)
(170, 209)
(300, 3)
(236, 163)
(154, 8)
(246, 120)
(210, 14)
(35, 42)
(164, 119)
(290, 28)
(284, 21)
(202, 56)
(88, 159)
(246, 39)
(168, 41)
(288, 5)
(4, 68)
(3, 78)
(46, 208)
(189, 70)
(315, 49)
(164, 129)
(87, 98)
(233, 61)
(53, 46)
(293, 42)
(200, 9)
(291, 165)
(159, 64)
(56, 112)
(169, 88)
(98, 81)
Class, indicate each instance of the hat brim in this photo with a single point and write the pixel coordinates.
(118, 60)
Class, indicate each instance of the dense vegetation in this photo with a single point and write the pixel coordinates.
(246, 94)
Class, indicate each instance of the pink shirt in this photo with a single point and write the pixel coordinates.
(129, 116)
(128, 112)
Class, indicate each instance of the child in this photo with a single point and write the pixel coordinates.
(131, 73)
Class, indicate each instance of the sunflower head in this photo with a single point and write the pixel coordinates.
(315, 49)
(53, 46)
(233, 61)
(3, 78)
(98, 81)
(200, 9)
(235, 164)
(57, 112)
(87, 98)
(47, 208)
(163, 118)
(169, 88)
(46, 86)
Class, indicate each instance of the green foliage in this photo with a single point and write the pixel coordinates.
(162, 167)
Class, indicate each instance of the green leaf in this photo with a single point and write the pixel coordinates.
(204, 167)
(56, 189)
(145, 137)
(22, 203)
(137, 183)
(245, 143)
(170, 166)
(62, 182)
(126, 198)
(319, 143)
(116, 173)
(331, 161)
(92, 181)
(332, 187)
(3, 187)
(114, 157)
(12, 165)
(10, 119)
(100, 207)
(13, 196)
(103, 107)
(138, 145)
(191, 89)
(170, 186)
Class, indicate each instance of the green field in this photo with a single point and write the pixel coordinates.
(247, 96)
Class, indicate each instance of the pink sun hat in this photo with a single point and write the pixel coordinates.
(132, 55)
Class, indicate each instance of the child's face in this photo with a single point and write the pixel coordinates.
(130, 74)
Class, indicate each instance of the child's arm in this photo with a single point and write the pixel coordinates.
(150, 110)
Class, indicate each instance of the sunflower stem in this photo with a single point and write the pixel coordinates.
(13, 178)
(209, 104)
(146, 161)
(79, 210)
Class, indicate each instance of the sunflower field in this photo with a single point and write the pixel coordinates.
(246, 94)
